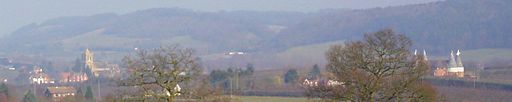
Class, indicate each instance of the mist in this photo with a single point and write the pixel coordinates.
(15, 14)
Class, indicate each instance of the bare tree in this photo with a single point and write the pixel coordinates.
(378, 68)
(159, 71)
(204, 92)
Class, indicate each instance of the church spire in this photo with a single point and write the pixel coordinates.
(88, 60)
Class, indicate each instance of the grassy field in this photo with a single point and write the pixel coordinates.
(486, 55)
(270, 99)
(314, 53)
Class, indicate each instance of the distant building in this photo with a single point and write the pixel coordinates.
(66, 77)
(440, 72)
(235, 53)
(177, 88)
(97, 69)
(425, 58)
(38, 77)
(317, 82)
(106, 69)
(41, 79)
(3, 79)
(58, 93)
(88, 61)
(454, 67)
(310, 82)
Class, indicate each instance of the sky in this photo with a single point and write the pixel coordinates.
(17, 13)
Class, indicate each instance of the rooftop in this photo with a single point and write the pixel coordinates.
(64, 89)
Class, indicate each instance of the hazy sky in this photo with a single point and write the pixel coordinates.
(16, 13)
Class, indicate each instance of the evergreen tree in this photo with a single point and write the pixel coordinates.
(4, 89)
(315, 72)
(4, 93)
(89, 74)
(79, 66)
(230, 71)
(29, 97)
(217, 76)
(291, 76)
(250, 69)
(79, 91)
(88, 93)
(48, 67)
(249, 72)
(214, 76)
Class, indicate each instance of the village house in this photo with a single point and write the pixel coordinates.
(38, 77)
(440, 72)
(72, 77)
(58, 93)
(317, 82)
(41, 79)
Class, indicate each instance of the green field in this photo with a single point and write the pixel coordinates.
(270, 99)
(314, 53)
(486, 55)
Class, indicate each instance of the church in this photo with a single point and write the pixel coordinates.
(98, 68)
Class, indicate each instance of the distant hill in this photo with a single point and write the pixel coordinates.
(209, 32)
(437, 27)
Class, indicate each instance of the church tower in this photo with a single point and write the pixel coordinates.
(88, 58)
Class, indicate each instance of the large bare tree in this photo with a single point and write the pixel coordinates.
(158, 72)
(380, 67)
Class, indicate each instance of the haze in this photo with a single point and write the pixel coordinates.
(16, 13)
(255, 50)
